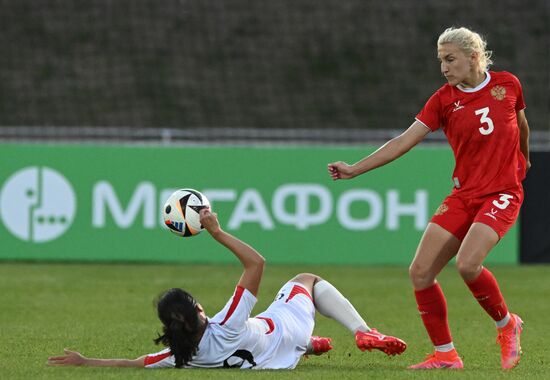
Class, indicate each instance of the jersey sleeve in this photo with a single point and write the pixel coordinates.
(431, 114)
(161, 359)
(237, 310)
(520, 102)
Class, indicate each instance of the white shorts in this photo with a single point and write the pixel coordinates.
(293, 312)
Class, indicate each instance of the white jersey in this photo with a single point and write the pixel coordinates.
(274, 339)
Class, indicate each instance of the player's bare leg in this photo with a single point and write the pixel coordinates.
(437, 247)
(476, 246)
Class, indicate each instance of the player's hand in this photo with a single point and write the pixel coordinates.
(527, 166)
(340, 170)
(209, 221)
(70, 358)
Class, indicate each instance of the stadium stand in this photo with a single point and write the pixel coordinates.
(193, 68)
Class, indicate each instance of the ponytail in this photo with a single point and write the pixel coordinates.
(177, 311)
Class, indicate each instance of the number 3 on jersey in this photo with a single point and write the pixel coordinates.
(485, 119)
(504, 201)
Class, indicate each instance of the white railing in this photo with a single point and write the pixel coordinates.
(539, 140)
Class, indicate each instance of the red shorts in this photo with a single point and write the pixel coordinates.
(499, 211)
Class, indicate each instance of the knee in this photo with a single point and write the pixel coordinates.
(306, 278)
(468, 270)
(421, 277)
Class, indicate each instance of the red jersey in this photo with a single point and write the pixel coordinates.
(481, 127)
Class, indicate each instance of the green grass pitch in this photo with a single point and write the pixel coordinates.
(106, 310)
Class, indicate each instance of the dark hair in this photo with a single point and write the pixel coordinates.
(177, 310)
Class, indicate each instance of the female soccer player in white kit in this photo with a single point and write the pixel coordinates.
(275, 339)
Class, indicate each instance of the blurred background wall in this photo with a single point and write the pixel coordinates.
(250, 64)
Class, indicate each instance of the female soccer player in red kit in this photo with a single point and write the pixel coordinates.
(482, 114)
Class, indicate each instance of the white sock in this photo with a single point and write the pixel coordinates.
(332, 304)
(309, 348)
(503, 322)
(445, 347)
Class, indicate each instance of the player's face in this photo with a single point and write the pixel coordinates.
(200, 311)
(456, 66)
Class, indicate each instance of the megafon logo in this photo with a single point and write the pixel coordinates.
(37, 204)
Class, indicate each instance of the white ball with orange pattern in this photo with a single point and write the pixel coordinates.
(181, 212)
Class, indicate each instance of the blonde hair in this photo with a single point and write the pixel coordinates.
(468, 41)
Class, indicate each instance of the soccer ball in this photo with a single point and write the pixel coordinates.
(181, 212)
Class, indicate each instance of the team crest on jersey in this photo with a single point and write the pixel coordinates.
(498, 92)
(442, 209)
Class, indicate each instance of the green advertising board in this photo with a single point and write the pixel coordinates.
(103, 203)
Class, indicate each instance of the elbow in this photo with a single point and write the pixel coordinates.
(258, 262)
(402, 146)
(523, 128)
(402, 149)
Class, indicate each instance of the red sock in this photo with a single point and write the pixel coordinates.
(486, 291)
(433, 310)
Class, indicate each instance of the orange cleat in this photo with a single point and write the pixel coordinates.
(508, 338)
(439, 359)
(320, 345)
(374, 340)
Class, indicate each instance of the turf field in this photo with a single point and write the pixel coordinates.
(107, 311)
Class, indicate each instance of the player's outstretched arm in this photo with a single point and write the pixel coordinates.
(388, 152)
(251, 260)
(73, 358)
